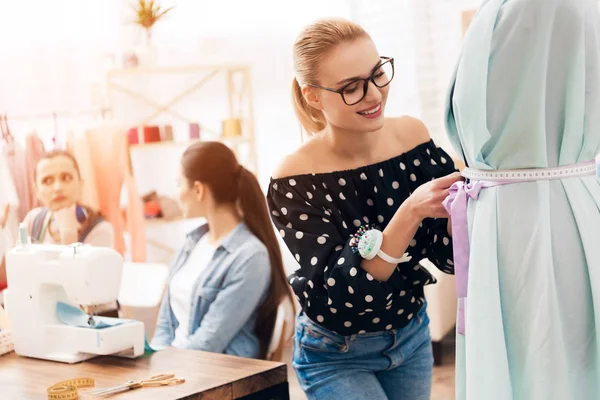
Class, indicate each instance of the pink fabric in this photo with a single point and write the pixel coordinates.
(34, 148)
(109, 154)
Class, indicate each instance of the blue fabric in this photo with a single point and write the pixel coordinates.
(226, 296)
(526, 94)
(395, 364)
(73, 316)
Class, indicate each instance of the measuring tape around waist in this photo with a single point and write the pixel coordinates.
(67, 390)
(526, 175)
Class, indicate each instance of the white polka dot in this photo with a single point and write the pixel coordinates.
(395, 185)
(298, 257)
(412, 300)
(443, 160)
(292, 182)
(366, 219)
(388, 296)
(409, 316)
(424, 251)
(321, 240)
(369, 298)
(390, 302)
(361, 313)
(305, 294)
(375, 189)
(314, 187)
(402, 293)
(413, 177)
(344, 225)
(370, 202)
(289, 225)
(362, 332)
(328, 213)
(400, 312)
(350, 290)
(324, 185)
(428, 152)
(338, 248)
(282, 233)
(328, 197)
(320, 318)
(289, 195)
(349, 305)
(363, 176)
(417, 163)
(331, 282)
(275, 186)
(341, 261)
(326, 220)
(449, 262)
(292, 280)
(413, 243)
(314, 260)
(446, 241)
(380, 218)
(381, 173)
(369, 276)
(303, 217)
(333, 310)
(357, 223)
(390, 201)
(389, 327)
(402, 166)
(275, 213)
(416, 267)
(347, 324)
(342, 197)
(342, 182)
(309, 195)
(388, 308)
(433, 162)
(376, 320)
(368, 310)
(353, 271)
(434, 238)
(299, 235)
(329, 301)
(311, 284)
(284, 211)
(416, 283)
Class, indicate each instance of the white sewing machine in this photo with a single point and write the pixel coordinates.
(40, 276)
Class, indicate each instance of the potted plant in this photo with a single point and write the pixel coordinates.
(147, 14)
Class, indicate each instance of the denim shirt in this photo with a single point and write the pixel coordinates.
(225, 298)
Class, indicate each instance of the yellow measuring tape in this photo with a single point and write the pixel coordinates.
(67, 390)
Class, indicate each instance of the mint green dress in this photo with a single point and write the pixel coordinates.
(526, 95)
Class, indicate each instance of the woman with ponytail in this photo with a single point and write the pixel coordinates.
(228, 280)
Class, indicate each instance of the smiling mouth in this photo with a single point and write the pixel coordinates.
(371, 111)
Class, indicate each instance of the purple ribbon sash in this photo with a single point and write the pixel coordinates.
(458, 200)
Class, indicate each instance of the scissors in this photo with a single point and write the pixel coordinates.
(154, 381)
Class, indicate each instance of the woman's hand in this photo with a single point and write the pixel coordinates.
(426, 201)
(67, 225)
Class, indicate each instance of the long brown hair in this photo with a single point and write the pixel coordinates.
(215, 165)
(314, 42)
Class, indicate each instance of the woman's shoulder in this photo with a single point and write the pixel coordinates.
(402, 134)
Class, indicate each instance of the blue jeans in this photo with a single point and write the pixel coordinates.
(394, 364)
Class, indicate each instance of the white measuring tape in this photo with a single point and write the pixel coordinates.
(535, 174)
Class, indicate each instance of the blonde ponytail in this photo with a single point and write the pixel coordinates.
(311, 119)
(313, 43)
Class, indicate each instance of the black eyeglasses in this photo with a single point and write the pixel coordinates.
(354, 92)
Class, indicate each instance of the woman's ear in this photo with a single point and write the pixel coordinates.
(312, 97)
(199, 190)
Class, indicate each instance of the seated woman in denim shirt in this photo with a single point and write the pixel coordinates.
(228, 280)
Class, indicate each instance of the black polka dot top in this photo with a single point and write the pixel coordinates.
(316, 214)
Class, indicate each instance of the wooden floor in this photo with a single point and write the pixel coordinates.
(443, 376)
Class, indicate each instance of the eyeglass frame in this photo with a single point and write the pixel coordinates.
(365, 85)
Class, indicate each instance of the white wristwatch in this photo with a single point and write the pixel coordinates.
(369, 246)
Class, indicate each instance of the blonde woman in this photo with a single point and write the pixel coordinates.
(363, 330)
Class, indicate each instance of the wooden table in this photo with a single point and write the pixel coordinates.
(207, 376)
